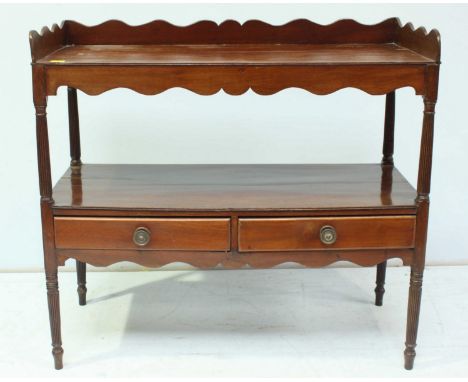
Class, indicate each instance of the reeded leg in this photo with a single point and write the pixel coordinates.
(414, 304)
(54, 317)
(81, 279)
(422, 216)
(380, 282)
(45, 187)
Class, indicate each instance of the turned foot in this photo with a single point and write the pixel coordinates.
(380, 282)
(81, 295)
(410, 354)
(57, 352)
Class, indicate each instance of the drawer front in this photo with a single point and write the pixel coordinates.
(302, 234)
(143, 234)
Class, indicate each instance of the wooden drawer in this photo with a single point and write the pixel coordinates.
(301, 234)
(160, 234)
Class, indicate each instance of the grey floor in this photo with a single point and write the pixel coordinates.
(279, 322)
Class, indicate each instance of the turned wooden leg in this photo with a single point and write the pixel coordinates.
(422, 216)
(414, 304)
(81, 279)
(380, 282)
(45, 187)
(54, 317)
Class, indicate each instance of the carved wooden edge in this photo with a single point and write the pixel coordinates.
(427, 44)
(47, 41)
(208, 32)
(320, 80)
(299, 31)
(234, 260)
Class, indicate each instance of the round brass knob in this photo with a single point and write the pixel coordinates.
(141, 236)
(328, 234)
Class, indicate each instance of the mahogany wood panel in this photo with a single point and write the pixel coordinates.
(235, 187)
(234, 54)
(166, 234)
(235, 80)
(231, 32)
(299, 234)
(234, 260)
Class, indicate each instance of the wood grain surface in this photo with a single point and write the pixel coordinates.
(166, 234)
(300, 234)
(234, 187)
(240, 54)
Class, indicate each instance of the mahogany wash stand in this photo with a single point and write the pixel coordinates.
(235, 215)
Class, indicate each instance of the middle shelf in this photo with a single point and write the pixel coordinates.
(224, 188)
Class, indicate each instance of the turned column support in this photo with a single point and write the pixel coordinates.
(387, 167)
(74, 129)
(389, 129)
(75, 165)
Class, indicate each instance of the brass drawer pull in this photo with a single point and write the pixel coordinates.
(141, 236)
(328, 234)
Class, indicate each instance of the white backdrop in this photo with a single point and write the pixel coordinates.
(177, 126)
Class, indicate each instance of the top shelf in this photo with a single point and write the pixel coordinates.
(234, 54)
(156, 56)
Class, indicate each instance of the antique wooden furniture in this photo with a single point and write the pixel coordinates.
(259, 215)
